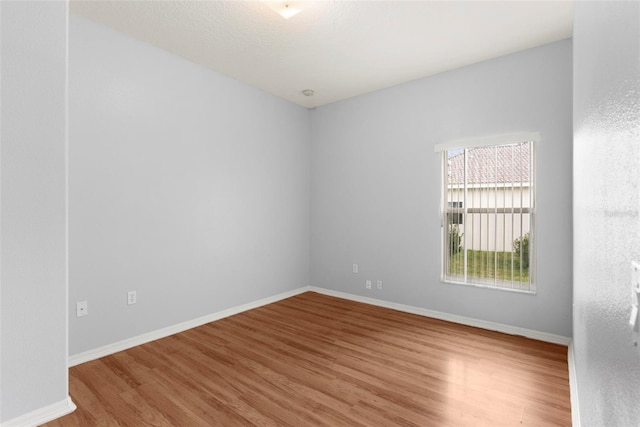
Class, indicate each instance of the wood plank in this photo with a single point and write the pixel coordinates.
(316, 360)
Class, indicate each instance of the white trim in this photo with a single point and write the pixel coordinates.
(483, 142)
(42, 415)
(492, 326)
(573, 386)
(106, 350)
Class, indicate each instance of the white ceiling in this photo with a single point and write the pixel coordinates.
(339, 49)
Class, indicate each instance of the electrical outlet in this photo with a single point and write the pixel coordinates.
(355, 268)
(379, 285)
(82, 308)
(368, 284)
(131, 297)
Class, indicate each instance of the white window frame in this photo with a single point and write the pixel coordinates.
(442, 149)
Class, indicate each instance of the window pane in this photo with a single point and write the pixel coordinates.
(488, 215)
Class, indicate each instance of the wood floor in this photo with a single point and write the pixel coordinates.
(315, 360)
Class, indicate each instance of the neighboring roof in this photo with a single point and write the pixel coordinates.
(501, 164)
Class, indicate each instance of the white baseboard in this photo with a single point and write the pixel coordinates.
(573, 387)
(180, 327)
(106, 350)
(492, 326)
(42, 415)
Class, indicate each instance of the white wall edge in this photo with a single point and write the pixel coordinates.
(492, 326)
(42, 415)
(573, 387)
(66, 194)
(109, 349)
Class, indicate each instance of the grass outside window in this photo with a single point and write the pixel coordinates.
(482, 264)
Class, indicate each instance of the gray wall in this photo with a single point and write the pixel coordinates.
(184, 185)
(33, 263)
(606, 208)
(376, 185)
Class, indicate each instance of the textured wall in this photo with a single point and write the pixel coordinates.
(184, 185)
(606, 207)
(376, 185)
(33, 287)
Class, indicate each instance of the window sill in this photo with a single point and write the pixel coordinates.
(492, 287)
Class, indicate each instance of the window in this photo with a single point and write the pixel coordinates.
(488, 212)
(454, 214)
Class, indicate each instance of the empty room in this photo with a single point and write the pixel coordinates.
(319, 213)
